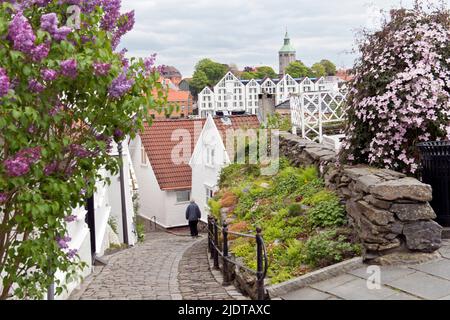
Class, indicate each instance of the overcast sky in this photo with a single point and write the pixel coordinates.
(249, 32)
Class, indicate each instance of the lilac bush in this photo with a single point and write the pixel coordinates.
(65, 94)
(400, 95)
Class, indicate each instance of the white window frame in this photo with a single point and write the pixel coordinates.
(144, 162)
(183, 200)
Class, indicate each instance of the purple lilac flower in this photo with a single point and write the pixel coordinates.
(32, 129)
(56, 109)
(72, 253)
(35, 86)
(19, 164)
(111, 9)
(62, 242)
(4, 83)
(16, 167)
(21, 34)
(69, 68)
(150, 62)
(125, 61)
(124, 24)
(120, 86)
(49, 22)
(3, 197)
(70, 218)
(101, 69)
(49, 74)
(61, 33)
(79, 151)
(40, 52)
(89, 6)
(86, 39)
(118, 133)
(51, 168)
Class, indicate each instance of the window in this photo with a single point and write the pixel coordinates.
(210, 155)
(143, 156)
(209, 193)
(183, 196)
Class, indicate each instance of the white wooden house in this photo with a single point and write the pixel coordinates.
(210, 154)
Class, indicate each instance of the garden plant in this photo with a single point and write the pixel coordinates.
(66, 93)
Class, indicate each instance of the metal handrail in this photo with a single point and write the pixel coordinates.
(261, 253)
(154, 222)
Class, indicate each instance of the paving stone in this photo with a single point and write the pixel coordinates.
(333, 282)
(401, 296)
(387, 273)
(422, 285)
(306, 294)
(440, 268)
(357, 290)
(196, 282)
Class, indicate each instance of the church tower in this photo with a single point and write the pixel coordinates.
(286, 55)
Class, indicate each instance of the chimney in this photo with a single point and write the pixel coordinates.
(266, 106)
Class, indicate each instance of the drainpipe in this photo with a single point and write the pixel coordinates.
(122, 196)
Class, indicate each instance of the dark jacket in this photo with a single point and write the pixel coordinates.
(193, 212)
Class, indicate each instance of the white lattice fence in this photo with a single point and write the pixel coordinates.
(310, 111)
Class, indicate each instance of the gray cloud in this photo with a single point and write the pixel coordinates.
(248, 32)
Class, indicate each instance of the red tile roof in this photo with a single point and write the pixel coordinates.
(237, 122)
(158, 144)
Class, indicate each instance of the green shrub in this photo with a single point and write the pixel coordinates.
(281, 276)
(326, 248)
(295, 209)
(329, 213)
(140, 232)
(214, 207)
(311, 188)
(323, 195)
(294, 253)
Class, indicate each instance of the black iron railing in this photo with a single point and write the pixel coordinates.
(215, 251)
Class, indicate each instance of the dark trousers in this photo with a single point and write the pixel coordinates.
(193, 227)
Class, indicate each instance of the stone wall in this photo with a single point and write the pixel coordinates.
(389, 211)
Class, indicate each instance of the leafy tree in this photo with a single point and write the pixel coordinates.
(318, 70)
(65, 94)
(298, 69)
(214, 71)
(330, 67)
(400, 94)
(199, 81)
(248, 75)
(258, 73)
(265, 71)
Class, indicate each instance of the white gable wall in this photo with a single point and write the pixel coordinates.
(152, 200)
(205, 176)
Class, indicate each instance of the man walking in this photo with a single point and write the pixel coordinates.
(193, 214)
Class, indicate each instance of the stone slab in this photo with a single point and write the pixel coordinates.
(358, 290)
(333, 282)
(306, 294)
(402, 296)
(440, 268)
(422, 285)
(388, 274)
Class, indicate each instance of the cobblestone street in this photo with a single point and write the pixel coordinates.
(196, 282)
(164, 267)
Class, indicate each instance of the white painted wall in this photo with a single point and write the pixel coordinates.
(175, 211)
(151, 199)
(203, 174)
(114, 194)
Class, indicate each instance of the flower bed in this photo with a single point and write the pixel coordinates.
(303, 223)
